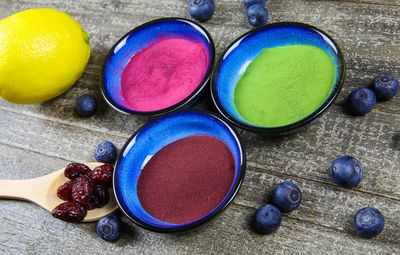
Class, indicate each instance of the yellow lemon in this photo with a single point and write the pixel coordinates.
(43, 52)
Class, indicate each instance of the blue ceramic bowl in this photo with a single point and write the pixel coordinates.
(244, 49)
(150, 139)
(141, 37)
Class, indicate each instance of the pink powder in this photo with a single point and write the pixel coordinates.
(163, 74)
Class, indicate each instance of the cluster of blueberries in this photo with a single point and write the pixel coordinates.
(362, 100)
(285, 198)
(109, 227)
(345, 171)
(202, 10)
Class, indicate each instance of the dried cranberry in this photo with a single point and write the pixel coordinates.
(102, 175)
(75, 170)
(69, 211)
(64, 192)
(99, 198)
(82, 190)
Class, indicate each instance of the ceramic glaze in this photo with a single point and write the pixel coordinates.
(150, 140)
(254, 88)
(158, 67)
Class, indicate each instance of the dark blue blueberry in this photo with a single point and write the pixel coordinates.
(106, 152)
(257, 15)
(369, 222)
(385, 87)
(361, 101)
(86, 106)
(286, 196)
(201, 10)
(267, 219)
(249, 3)
(346, 171)
(109, 228)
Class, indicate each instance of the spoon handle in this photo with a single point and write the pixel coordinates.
(20, 190)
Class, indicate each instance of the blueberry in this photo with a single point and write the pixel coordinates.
(86, 106)
(286, 196)
(346, 171)
(201, 10)
(106, 152)
(385, 87)
(249, 3)
(109, 228)
(361, 101)
(369, 222)
(267, 219)
(257, 15)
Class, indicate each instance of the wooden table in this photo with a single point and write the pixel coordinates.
(38, 139)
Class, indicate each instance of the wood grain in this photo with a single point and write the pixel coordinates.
(36, 139)
(66, 138)
(307, 154)
(26, 227)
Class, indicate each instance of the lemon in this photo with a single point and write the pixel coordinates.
(43, 52)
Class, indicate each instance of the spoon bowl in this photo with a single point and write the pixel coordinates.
(43, 192)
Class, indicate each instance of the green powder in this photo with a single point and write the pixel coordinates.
(283, 85)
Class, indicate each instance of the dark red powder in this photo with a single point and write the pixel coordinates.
(186, 179)
(163, 74)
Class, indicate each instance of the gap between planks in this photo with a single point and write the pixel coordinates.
(362, 2)
(355, 190)
(118, 134)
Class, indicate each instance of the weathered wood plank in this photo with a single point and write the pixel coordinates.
(37, 139)
(373, 139)
(16, 163)
(374, 2)
(227, 234)
(51, 138)
(28, 229)
(321, 204)
(331, 16)
(332, 209)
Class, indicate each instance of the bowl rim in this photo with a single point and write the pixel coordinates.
(223, 206)
(301, 123)
(179, 104)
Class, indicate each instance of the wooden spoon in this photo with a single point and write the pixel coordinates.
(43, 192)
